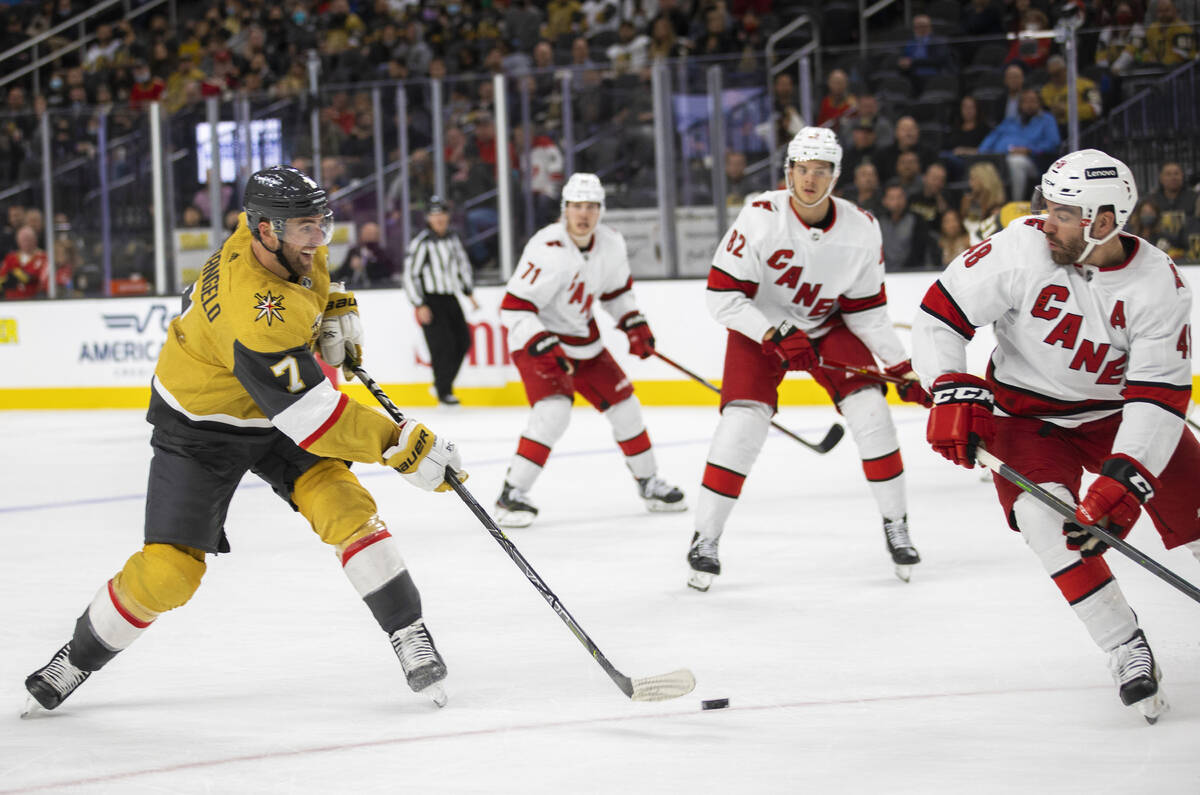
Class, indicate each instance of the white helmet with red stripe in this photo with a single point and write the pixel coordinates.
(1090, 180)
(814, 143)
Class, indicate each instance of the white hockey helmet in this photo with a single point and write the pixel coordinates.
(814, 143)
(1090, 180)
(583, 187)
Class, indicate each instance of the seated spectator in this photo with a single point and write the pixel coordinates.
(1146, 223)
(925, 54)
(865, 192)
(717, 38)
(905, 234)
(953, 239)
(367, 262)
(980, 205)
(1169, 41)
(630, 43)
(866, 110)
(560, 17)
(737, 184)
(103, 49)
(1121, 41)
(147, 87)
(25, 271)
(931, 200)
(1027, 143)
(1014, 84)
(968, 130)
(862, 146)
(788, 120)
(14, 220)
(908, 172)
(1175, 205)
(837, 101)
(1055, 95)
(1031, 53)
(664, 42)
(908, 138)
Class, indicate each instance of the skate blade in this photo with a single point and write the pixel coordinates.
(700, 580)
(31, 708)
(658, 506)
(904, 571)
(437, 693)
(1154, 707)
(514, 519)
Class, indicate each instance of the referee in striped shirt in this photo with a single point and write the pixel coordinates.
(436, 269)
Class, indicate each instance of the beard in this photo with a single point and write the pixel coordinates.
(1067, 254)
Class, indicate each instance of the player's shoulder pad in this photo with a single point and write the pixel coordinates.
(850, 213)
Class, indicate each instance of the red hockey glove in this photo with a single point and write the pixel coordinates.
(912, 391)
(961, 417)
(792, 346)
(547, 355)
(1117, 494)
(641, 341)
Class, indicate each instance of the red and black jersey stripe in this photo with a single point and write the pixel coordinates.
(622, 289)
(1168, 397)
(849, 305)
(515, 304)
(1020, 402)
(939, 303)
(721, 282)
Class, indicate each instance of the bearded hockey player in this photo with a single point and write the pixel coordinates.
(799, 276)
(555, 343)
(1092, 370)
(237, 388)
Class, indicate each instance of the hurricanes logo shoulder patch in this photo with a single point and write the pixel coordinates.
(269, 306)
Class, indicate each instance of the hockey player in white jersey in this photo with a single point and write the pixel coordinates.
(555, 342)
(1092, 370)
(799, 275)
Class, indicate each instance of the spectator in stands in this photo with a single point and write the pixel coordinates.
(664, 41)
(905, 234)
(560, 17)
(866, 109)
(1121, 40)
(1174, 204)
(968, 130)
(1055, 95)
(866, 188)
(980, 205)
(717, 38)
(1032, 53)
(147, 87)
(953, 239)
(1146, 223)
(522, 25)
(1027, 142)
(786, 110)
(630, 43)
(1169, 40)
(907, 172)
(25, 272)
(738, 185)
(982, 18)
(837, 101)
(35, 221)
(862, 147)
(14, 220)
(1014, 84)
(931, 200)
(367, 263)
(100, 53)
(925, 54)
(908, 138)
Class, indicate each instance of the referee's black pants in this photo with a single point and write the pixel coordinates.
(449, 340)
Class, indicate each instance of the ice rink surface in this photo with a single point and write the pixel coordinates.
(975, 677)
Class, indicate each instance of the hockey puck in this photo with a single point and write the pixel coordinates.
(715, 703)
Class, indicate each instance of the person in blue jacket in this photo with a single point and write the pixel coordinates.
(1027, 141)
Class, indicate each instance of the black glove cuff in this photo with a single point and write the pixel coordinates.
(962, 392)
(542, 344)
(1123, 470)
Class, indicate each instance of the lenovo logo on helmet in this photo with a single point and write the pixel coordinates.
(1108, 172)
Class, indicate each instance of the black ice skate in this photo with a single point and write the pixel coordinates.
(50, 685)
(1137, 676)
(702, 557)
(904, 554)
(513, 508)
(660, 496)
(423, 666)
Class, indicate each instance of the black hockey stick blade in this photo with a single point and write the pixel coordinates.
(650, 688)
(1067, 512)
(832, 436)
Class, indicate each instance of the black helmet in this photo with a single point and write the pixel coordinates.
(281, 192)
(436, 204)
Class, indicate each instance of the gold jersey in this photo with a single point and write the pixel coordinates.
(240, 359)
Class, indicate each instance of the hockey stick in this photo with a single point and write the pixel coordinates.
(650, 688)
(869, 372)
(1066, 511)
(832, 436)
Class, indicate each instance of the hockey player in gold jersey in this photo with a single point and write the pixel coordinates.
(238, 388)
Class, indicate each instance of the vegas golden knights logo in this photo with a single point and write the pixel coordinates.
(269, 306)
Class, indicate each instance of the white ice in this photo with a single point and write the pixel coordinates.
(975, 677)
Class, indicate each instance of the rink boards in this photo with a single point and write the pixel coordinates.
(100, 353)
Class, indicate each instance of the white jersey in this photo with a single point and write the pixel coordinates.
(1075, 343)
(771, 266)
(555, 285)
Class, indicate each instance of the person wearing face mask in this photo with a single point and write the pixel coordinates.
(146, 87)
(1119, 42)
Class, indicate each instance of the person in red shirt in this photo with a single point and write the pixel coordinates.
(146, 88)
(25, 271)
(837, 103)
